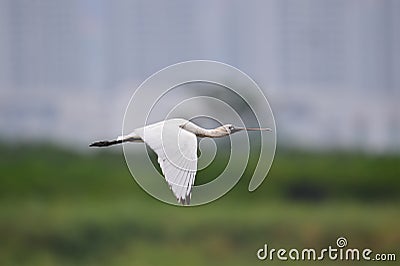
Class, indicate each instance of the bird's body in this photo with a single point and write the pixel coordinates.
(175, 143)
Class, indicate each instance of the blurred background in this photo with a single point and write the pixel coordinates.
(330, 70)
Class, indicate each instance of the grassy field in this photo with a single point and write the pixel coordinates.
(59, 207)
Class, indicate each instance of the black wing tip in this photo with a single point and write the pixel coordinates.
(184, 201)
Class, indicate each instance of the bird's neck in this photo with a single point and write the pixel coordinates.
(202, 132)
(209, 133)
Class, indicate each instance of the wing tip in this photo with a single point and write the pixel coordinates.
(185, 201)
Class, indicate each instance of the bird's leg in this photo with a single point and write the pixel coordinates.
(105, 143)
(119, 140)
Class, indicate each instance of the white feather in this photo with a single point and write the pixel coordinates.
(176, 149)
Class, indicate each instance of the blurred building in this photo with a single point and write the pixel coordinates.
(329, 68)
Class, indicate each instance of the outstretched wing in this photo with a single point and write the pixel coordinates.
(176, 149)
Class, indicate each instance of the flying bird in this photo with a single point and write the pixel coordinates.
(175, 143)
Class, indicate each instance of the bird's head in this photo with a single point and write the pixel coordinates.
(218, 132)
(230, 129)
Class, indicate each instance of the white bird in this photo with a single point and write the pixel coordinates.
(175, 143)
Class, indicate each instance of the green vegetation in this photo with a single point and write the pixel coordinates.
(59, 207)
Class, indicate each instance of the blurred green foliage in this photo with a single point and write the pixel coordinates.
(62, 207)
